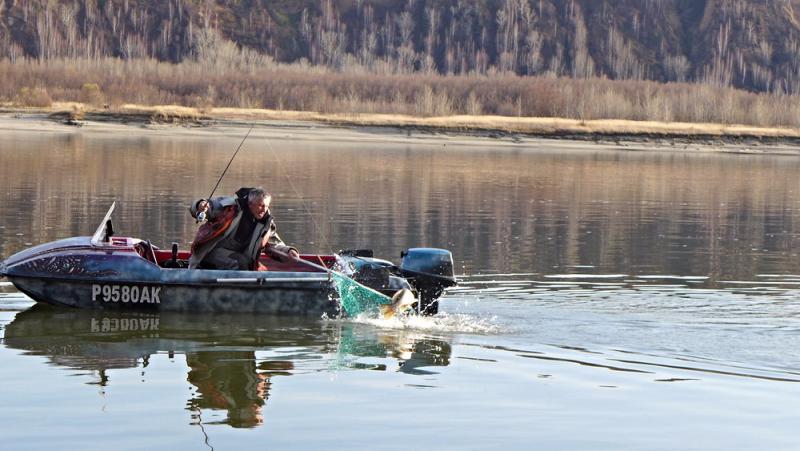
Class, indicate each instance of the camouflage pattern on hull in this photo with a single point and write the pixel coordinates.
(124, 274)
(307, 296)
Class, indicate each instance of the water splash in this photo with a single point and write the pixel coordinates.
(443, 322)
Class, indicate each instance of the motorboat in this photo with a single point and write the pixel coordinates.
(105, 271)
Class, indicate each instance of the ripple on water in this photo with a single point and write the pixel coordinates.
(699, 296)
(668, 277)
(14, 301)
(481, 276)
(586, 276)
(758, 282)
(559, 359)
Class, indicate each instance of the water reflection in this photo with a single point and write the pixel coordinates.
(498, 210)
(232, 381)
(231, 359)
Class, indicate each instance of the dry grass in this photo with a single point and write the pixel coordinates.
(301, 92)
(455, 123)
(549, 126)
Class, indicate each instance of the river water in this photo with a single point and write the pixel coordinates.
(609, 298)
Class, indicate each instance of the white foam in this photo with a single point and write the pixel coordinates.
(658, 286)
(515, 274)
(498, 289)
(657, 277)
(442, 322)
(500, 282)
(759, 282)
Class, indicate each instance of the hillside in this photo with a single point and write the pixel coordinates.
(748, 44)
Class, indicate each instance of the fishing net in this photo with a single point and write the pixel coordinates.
(357, 299)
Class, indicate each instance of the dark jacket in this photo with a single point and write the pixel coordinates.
(223, 217)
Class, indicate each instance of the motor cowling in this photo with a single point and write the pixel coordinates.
(430, 271)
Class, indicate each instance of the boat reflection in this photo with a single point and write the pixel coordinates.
(231, 359)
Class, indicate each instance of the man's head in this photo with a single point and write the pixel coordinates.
(258, 200)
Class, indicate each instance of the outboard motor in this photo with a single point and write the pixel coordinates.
(430, 271)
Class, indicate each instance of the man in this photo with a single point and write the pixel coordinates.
(237, 230)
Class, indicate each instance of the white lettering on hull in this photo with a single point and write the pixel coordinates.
(124, 324)
(126, 294)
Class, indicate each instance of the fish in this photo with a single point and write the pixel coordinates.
(401, 303)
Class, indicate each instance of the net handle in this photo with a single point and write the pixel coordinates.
(329, 271)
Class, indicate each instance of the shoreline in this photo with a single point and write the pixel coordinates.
(621, 134)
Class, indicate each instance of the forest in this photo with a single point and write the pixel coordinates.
(729, 61)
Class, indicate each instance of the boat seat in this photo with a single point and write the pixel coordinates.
(174, 260)
(146, 250)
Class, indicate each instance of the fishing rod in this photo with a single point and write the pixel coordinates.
(351, 292)
(202, 216)
(231, 161)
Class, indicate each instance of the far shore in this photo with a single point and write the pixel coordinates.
(619, 133)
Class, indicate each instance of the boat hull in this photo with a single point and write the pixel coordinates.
(303, 296)
(121, 274)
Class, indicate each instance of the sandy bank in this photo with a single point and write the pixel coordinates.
(465, 130)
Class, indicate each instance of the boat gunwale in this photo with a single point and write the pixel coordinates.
(210, 283)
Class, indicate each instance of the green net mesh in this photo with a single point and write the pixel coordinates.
(356, 298)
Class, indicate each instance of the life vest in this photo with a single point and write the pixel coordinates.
(215, 227)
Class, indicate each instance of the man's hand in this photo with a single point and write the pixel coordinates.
(274, 253)
(202, 211)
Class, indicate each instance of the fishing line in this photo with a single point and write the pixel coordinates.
(354, 297)
(196, 408)
(306, 209)
(231, 161)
